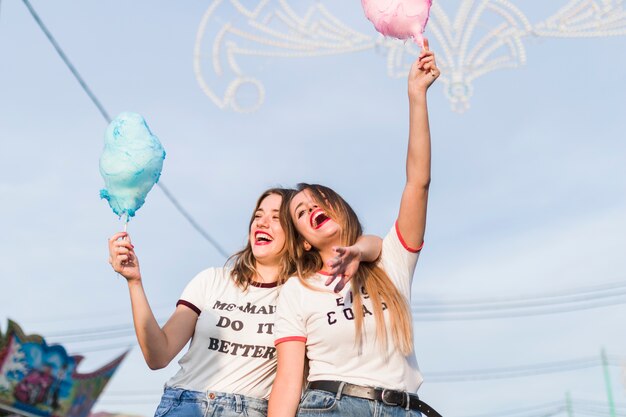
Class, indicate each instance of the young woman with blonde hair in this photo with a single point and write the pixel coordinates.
(358, 343)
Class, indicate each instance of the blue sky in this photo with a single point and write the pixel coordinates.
(528, 193)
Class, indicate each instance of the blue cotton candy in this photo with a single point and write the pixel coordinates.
(130, 164)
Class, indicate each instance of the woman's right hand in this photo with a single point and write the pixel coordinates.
(122, 257)
(423, 72)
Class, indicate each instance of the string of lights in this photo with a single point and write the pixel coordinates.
(480, 38)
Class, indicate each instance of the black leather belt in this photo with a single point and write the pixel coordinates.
(385, 396)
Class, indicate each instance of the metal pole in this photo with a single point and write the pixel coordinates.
(568, 405)
(607, 382)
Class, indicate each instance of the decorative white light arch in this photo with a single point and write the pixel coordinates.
(483, 36)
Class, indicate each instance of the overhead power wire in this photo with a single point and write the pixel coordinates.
(105, 332)
(106, 117)
(121, 330)
(580, 407)
(99, 336)
(572, 292)
(441, 313)
(566, 301)
(553, 407)
(94, 330)
(67, 62)
(597, 408)
(192, 221)
(104, 348)
(34, 321)
(519, 371)
(595, 403)
(523, 312)
(126, 331)
(605, 413)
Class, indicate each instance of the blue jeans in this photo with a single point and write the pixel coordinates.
(317, 403)
(177, 402)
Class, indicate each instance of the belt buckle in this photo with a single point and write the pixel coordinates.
(383, 397)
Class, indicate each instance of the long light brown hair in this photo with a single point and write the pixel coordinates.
(244, 263)
(383, 294)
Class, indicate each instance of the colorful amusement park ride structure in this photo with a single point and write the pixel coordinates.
(41, 380)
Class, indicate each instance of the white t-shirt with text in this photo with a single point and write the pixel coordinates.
(325, 322)
(232, 349)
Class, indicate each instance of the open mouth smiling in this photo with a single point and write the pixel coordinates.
(262, 238)
(318, 218)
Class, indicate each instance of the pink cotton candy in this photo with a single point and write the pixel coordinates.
(399, 19)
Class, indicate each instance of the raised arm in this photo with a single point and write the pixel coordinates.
(412, 215)
(158, 345)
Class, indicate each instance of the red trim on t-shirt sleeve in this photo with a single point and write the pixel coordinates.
(188, 304)
(290, 339)
(407, 247)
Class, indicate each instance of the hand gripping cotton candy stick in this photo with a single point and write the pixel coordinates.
(402, 19)
(130, 163)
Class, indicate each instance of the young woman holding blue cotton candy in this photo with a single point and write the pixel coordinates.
(228, 313)
(358, 343)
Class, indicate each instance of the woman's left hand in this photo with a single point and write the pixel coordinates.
(423, 72)
(343, 266)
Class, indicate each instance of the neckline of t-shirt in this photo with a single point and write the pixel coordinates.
(326, 273)
(264, 284)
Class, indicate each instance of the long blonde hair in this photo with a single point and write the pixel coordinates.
(374, 280)
(244, 263)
